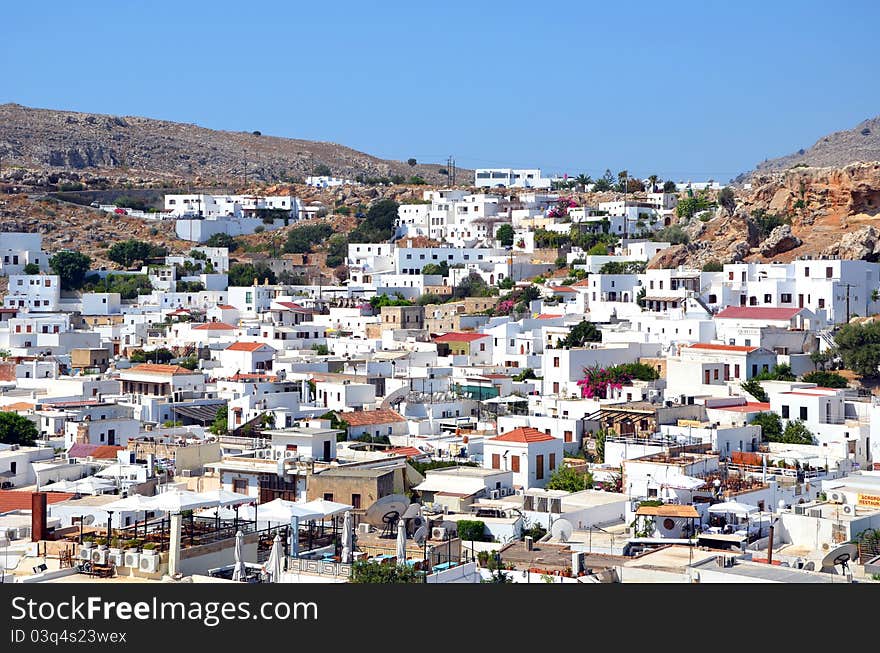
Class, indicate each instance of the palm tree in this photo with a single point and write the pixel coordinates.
(584, 181)
(654, 180)
(875, 295)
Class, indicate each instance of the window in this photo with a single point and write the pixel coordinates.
(806, 272)
(785, 412)
(556, 361)
(713, 299)
(552, 461)
(768, 298)
(514, 464)
(539, 467)
(496, 461)
(482, 346)
(785, 298)
(803, 413)
(355, 501)
(715, 374)
(240, 485)
(328, 496)
(13, 467)
(736, 371)
(829, 272)
(556, 387)
(567, 436)
(821, 303)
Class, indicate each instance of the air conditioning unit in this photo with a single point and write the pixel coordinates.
(116, 559)
(849, 509)
(85, 554)
(836, 497)
(814, 513)
(799, 510)
(131, 559)
(438, 533)
(519, 491)
(99, 556)
(149, 564)
(364, 528)
(494, 494)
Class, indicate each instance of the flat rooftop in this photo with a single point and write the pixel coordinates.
(671, 557)
(769, 573)
(471, 472)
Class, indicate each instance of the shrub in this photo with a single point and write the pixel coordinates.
(302, 239)
(771, 426)
(754, 388)
(471, 530)
(713, 266)
(825, 379)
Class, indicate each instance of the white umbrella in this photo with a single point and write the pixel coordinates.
(401, 542)
(59, 486)
(239, 572)
(175, 501)
(346, 538)
(732, 508)
(92, 485)
(326, 508)
(225, 513)
(227, 498)
(133, 502)
(273, 563)
(280, 510)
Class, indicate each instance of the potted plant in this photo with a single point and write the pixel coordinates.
(88, 541)
(115, 546)
(132, 546)
(150, 548)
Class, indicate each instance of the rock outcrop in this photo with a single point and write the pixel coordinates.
(780, 240)
(863, 244)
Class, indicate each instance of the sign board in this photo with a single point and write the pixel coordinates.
(871, 500)
(691, 422)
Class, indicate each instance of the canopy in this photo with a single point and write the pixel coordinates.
(133, 502)
(506, 400)
(279, 510)
(273, 563)
(175, 501)
(732, 508)
(88, 485)
(682, 482)
(239, 571)
(227, 498)
(326, 508)
(401, 541)
(225, 513)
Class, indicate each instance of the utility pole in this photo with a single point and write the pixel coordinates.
(848, 286)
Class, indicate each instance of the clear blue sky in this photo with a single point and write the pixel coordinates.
(685, 90)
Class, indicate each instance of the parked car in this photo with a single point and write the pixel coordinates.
(120, 211)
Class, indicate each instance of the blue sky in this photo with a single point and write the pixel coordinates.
(686, 90)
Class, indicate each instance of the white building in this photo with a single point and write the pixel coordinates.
(35, 292)
(530, 454)
(510, 178)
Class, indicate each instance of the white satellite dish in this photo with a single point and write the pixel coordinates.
(420, 535)
(88, 520)
(561, 530)
(841, 555)
(392, 503)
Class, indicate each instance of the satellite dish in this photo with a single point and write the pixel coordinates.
(414, 510)
(840, 555)
(414, 524)
(420, 535)
(561, 530)
(392, 503)
(88, 520)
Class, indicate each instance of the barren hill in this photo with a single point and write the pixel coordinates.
(859, 144)
(66, 140)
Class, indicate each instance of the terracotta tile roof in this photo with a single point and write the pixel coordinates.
(21, 499)
(562, 289)
(495, 376)
(525, 434)
(226, 307)
(161, 370)
(253, 376)
(409, 452)
(581, 283)
(214, 326)
(460, 337)
(370, 417)
(82, 450)
(547, 316)
(748, 407)
(18, 405)
(247, 346)
(757, 313)
(668, 511)
(295, 307)
(713, 347)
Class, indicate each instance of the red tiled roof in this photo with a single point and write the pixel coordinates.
(295, 307)
(495, 376)
(163, 370)
(713, 347)
(409, 452)
(226, 307)
(253, 376)
(460, 337)
(83, 450)
(247, 346)
(547, 316)
(757, 313)
(214, 326)
(18, 405)
(21, 499)
(525, 434)
(581, 283)
(562, 289)
(371, 417)
(748, 407)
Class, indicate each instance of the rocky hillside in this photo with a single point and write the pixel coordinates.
(146, 148)
(860, 144)
(800, 212)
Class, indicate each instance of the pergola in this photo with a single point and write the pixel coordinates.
(668, 511)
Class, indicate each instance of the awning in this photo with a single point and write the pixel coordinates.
(732, 508)
(200, 413)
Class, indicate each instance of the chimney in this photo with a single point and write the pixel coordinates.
(39, 531)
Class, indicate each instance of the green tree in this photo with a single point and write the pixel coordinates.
(525, 375)
(222, 240)
(220, 426)
(301, 239)
(32, 268)
(190, 362)
(726, 199)
(672, 234)
(771, 426)
(601, 436)
(17, 429)
(580, 334)
(858, 346)
(767, 222)
(160, 355)
(322, 170)
(583, 181)
(604, 183)
(623, 267)
(569, 479)
(337, 250)
(129, 252)
(473, 285)
(71, 267)
(243, 274)
(753, 387)
(825, 379)
(797, 433)
(653, 180)
(471, 530)
(411, 162)
(690, 206)
(713, 266)
(378, 224)
(599, 249)
(504, 235)
(433, 268)
(321, 350)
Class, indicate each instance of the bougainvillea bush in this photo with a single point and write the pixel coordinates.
(597, 380)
